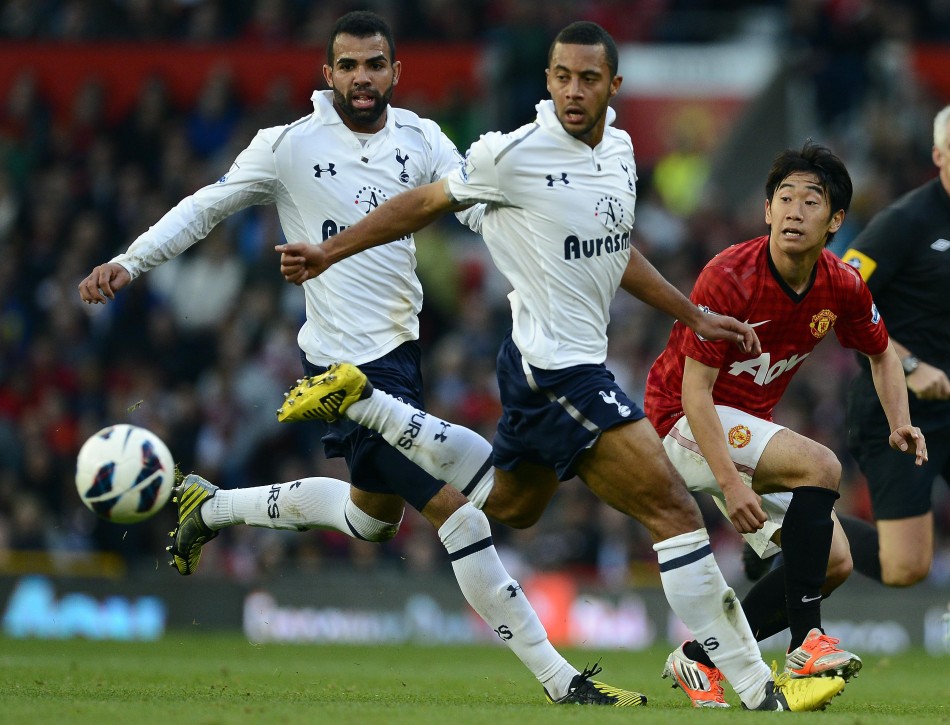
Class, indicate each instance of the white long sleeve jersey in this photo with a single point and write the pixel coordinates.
(323, 179)
(557, 225)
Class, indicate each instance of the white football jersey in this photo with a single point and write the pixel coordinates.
(323, 179)
(557, 225)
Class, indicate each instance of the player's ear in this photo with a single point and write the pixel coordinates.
(328, 75)
(397, 71)
(836, 221)
(768, 212)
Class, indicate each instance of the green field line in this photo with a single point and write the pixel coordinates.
(203, 679)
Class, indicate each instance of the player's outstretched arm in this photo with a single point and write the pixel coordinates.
(891, 386)
(643, 281)
(103, 282)
(401, 216)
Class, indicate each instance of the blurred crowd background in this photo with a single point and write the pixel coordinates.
(201, 349)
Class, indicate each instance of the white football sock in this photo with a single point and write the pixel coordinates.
(698, 594)
(449, 452)
(309, 503)
(499, 600)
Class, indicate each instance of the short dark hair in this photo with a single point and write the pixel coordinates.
(587, 33)
(361, 24)
(813, 158)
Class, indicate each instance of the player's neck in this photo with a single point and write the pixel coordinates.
(795, 269)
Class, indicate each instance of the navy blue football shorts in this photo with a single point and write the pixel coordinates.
(550, 417)
(375, 466)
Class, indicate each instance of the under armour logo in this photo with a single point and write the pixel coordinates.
(513, 589)
(612, 400)
(563, 179)
(403, 175)
(440, 436)
(318, 171)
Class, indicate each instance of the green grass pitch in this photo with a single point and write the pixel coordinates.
(208, 679)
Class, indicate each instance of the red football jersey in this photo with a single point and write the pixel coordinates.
(742, 282)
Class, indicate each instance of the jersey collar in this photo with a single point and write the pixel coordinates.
(323, 107)
(790, 293)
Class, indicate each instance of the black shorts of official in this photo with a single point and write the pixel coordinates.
(899, 489)
(375, 466)
(550, 417)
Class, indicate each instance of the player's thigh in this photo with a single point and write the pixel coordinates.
(746, 438)
(791, 460)
(628, 469)
(906, 549)
(519, 497)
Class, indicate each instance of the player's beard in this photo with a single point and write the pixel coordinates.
(363, 116)
(584, 132)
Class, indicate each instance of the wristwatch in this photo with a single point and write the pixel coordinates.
(910, 364)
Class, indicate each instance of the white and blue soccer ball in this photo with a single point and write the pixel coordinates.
(124, 473)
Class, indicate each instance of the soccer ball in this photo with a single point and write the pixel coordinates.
(124, 473)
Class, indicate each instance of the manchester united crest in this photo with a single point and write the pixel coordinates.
(822, 322)
(739, 436)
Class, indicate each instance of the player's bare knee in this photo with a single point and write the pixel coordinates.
(904, 576)
(826, 469)
(901, 579)
(665, 523)
(367, 527)
(679, 513)
(516, 518)
(839, 569)
(518, 513)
